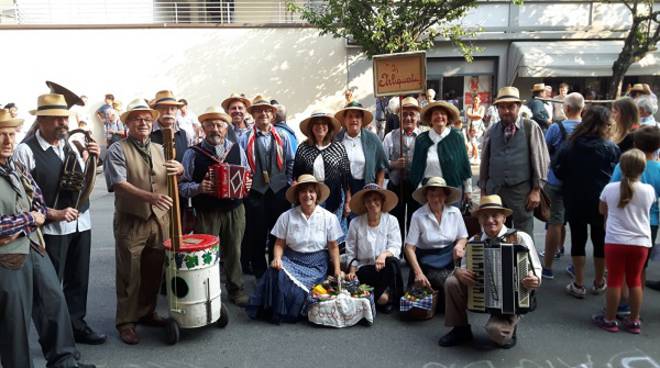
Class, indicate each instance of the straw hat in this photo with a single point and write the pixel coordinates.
(165, 98)
(492, 203)
(453, 194)
(51, 104)
(260, 100)
(639, 87)
(6, 121)
(538, 87)
(410, 103)
(450, 109)
(214, 113)
(138, 105)
(357, 200)
(507, 94)
(367, 116)
(235, 97)
(306, 126)
(292, 192)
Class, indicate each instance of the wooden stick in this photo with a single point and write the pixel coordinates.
(173, 191)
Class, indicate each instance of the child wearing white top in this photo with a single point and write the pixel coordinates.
(626, 205)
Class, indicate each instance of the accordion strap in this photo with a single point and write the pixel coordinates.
(212, 157)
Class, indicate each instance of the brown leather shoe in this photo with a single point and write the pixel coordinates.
(153, 320)
(128, 335)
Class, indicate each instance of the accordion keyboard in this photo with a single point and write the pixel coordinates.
(475, 263)
(522, 270)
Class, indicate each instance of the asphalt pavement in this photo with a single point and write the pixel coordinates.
(559, 334)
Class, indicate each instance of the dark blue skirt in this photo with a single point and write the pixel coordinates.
(280, 296)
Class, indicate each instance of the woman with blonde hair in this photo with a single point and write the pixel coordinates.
(626, 119)
(626, 205)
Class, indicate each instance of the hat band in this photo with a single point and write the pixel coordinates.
(508, 96)
(261, 102)
(140, 107)
(165, 99)
(492, 206)
(52, 107)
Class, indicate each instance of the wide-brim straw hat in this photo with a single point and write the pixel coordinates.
(453, 194)
(507, 94)
(260, 100)
(292, 192)
(306, 125)
(165, 98)
(51, 104)
(639, 87)
(235, 97)
(357, 200)
(138, 105)
(452, 111)
(492, 203)
(367, 116)
(538, 87)
(214, 113)
(410, 103)
(6, 121)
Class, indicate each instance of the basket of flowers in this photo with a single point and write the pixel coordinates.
(419, 303)
(340, 303)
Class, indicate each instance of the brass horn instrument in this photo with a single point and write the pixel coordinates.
(79, 183)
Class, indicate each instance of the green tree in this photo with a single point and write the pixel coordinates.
(642, 38)
(389, 26)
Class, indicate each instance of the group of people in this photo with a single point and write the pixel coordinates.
(306, 202)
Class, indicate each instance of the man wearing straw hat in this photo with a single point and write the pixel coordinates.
(167, 107)
(28, 283)
(270, 159)
(136, 171)
(67, 231)
(225, 217)
(501, 329)
(399, 164)
(539, 111)
(514, 160)
(236, 106)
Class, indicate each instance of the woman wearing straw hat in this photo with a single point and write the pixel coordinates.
(436, 231)
(306, 242)
(324, 158)
(364, 148)
(441, 152)
(374, 243)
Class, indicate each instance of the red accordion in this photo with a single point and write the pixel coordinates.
(229, 180)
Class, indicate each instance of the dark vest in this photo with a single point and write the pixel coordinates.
(48, 169)
(278, 178)
(510, 163)
(180, 142)
(205, 202)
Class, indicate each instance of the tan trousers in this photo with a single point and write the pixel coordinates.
(499, 328)
(139, 265)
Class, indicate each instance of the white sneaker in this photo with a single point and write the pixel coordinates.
(576, 291)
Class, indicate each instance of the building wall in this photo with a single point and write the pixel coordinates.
(294, 65)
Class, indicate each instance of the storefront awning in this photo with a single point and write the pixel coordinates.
(573, 59)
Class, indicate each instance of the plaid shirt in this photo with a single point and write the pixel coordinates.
(12, 224)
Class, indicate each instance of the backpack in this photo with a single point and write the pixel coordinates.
(552, 150)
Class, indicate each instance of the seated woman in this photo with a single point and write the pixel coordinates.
(305, 234)
(436, 229)
(374, 243)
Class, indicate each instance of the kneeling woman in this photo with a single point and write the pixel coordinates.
(305, 234)
(374, 242)
(436, 230)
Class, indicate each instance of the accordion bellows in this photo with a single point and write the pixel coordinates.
(230, 180)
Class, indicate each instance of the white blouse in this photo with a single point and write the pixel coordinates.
(319, 165)
(426, 233)
(307, 235)
(366, 243)
(355, 155)
(432, 160)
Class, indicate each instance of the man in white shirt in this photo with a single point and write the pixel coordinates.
(501, 328)
(188, 121)
(399, 164)
(67, 231)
